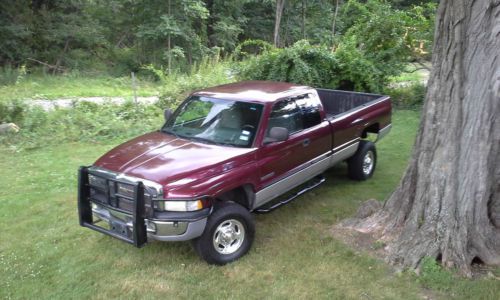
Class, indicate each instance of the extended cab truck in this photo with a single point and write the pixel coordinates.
(228, 151)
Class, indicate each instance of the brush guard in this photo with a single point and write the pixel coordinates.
(139, 230)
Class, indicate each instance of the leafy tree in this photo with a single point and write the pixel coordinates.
(315, 66)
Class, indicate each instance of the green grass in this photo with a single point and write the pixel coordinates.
(71, 86)
(413, 74)
(44, 254)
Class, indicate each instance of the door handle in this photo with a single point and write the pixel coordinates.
(306, 142)
(357, 121)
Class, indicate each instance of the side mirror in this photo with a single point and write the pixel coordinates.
(277, 134)
(167, 113)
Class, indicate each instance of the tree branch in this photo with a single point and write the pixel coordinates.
(46, 64)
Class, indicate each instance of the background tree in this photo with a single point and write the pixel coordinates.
(280, 5)
(447, 205)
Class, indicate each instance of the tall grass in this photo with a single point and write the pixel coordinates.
(90, 122)
(44, 86)
(176, 86)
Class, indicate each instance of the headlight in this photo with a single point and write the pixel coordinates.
(97, 181)
(175, 205)
(125, 190)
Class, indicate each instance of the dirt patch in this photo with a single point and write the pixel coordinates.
(360, 241)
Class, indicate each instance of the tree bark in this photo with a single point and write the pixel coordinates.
(447, 205)
(303, 24)
(210, 23)
(169, 42)
(280, 4)
(334, 21)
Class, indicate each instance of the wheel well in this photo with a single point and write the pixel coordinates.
(243, 195)
(374, 128)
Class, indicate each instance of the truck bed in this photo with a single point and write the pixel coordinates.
(337, 102)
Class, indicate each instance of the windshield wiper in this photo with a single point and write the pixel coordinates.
(170, 132)
(203, 140)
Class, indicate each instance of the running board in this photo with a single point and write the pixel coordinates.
(311, 184)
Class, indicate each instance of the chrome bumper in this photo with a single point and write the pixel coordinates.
(160, 230)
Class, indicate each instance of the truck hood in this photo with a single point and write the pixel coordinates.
(164, 158)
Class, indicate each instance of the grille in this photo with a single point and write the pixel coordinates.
(114, 193)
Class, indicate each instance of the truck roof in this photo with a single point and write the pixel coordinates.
(253, 91)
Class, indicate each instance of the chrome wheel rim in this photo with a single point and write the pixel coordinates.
(368, 161)
(229, 236)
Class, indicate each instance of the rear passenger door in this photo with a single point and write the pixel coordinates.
(309, 138)
(317, 131)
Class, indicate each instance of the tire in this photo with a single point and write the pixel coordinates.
(228, 235)
(362, 164)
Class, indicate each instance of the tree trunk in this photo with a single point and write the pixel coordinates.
(169, 42)
(58, 61)
(334, 22)
(303, 25)
(210, 23)
(280, 4)
(447, 205)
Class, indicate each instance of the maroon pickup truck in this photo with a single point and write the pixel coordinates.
(228, 151)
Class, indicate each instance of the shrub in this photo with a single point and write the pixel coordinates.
(300, 63)
(12, 111)
(176, 86)
(407, 97)
(346, 68)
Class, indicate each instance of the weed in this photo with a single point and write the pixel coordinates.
(432, 275)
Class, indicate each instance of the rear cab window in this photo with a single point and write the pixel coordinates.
(310, 108)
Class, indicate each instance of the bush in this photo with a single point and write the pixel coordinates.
(301, 63)
(347, 68)
(176, 86)
(407, 97)
(12, 111)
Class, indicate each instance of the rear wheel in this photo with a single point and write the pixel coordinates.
(228, 234)
(362, 164)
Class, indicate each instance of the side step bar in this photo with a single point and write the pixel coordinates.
(311, 184)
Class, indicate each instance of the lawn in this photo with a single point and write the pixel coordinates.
(44, 254)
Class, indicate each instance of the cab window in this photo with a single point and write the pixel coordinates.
(286, 114)
(310, 107)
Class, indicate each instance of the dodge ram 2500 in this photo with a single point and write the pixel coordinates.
(228, 151)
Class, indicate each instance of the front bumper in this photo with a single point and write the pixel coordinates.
(160, 230)
(137, 226)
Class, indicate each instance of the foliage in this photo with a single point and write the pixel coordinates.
(388, 35)
(85, 122)
(12, 112)
(37, 85)
(407, 97)
(300, 63)
(432, 275)
(176, 86)
(120, 36)
(376, 46)
(251, 47)
(347, 68)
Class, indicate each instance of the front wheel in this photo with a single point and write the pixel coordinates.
(362, 164)
(228, 234)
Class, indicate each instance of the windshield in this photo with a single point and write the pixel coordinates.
(216, 121)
